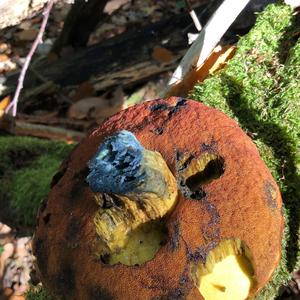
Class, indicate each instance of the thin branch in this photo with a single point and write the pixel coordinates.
(193, 15)
(37, 41)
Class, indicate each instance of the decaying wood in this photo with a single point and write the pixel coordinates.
(50, 132)
(122, 60)
(125, 59)
(13, 12)
(52, 120)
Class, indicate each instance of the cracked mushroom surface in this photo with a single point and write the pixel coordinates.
(168, 199)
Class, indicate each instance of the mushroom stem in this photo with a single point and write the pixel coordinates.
(132, 185)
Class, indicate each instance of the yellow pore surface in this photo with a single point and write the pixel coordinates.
(227, 274)
(141, 246)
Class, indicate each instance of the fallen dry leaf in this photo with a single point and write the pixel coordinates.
(97, 108)
(113, 5)
(26, 35)
(84, 90)
(162, 55)
(4, 47)
(4, 103)
(82, 108)
(3, 57)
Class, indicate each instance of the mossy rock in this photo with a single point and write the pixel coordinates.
(26, 169)
(260, 89)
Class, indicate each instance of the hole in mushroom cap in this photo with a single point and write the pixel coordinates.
(212, 170)
(197, 172)
(227, 272)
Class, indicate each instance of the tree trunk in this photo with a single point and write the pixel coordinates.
(80, 23)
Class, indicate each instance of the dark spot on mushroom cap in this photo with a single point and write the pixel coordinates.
(180, 103)
(200, 254)
(73, 228)
(191, 195)
(174, 236)
(213, 212)
(99, 293)
(158, 131)
(59, 174)
(211, 147)
(182, 289)
(175, 294)
(46, 218)
(40, 251)
(270, 193)
(211, 232)
(65, 280)
(159, 106)
(79, 184)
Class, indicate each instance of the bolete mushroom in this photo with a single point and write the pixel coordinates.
(168, 199)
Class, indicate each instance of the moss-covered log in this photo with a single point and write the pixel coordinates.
(27, 166)
(260, 89)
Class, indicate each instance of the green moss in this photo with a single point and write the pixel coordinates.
(27, 166)
(260, 89)
(37, 293)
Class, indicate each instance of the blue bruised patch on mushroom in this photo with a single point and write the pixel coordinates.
(117, 166)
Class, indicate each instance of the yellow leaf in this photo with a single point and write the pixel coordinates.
(4, 102)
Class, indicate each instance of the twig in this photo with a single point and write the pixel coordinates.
(52, 120)
(50, 132)
(37, 41)
(193, 15)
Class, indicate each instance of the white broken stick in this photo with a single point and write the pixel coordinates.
(208, 38)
